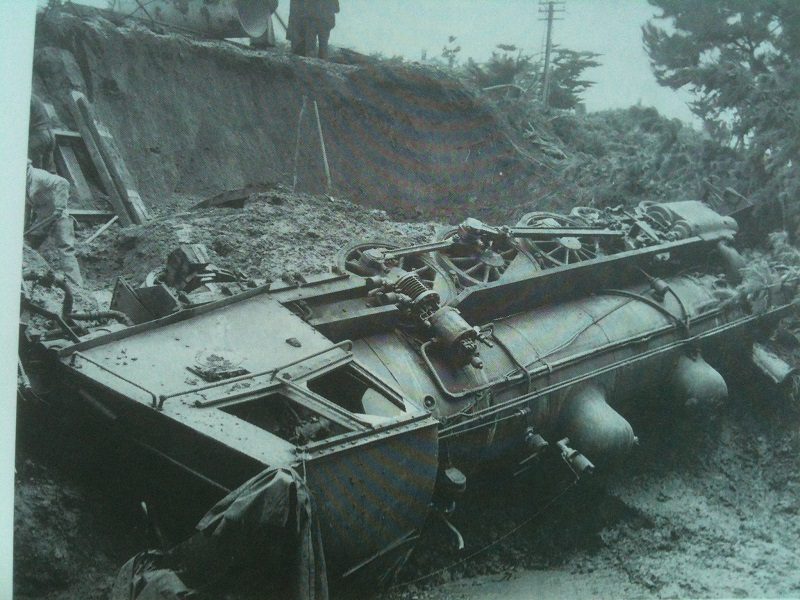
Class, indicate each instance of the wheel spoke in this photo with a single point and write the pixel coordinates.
(473, 268)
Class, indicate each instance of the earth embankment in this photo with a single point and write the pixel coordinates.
(200, 117)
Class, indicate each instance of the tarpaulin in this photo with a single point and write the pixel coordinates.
(142, 579)
(238, 532)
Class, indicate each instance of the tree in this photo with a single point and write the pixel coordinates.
(450, 51)
(741, 60)
(510, 67)
(566, 85)
(506, 67)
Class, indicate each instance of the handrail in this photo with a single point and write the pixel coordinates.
(342, 344)
(79, 354)
(525, 232)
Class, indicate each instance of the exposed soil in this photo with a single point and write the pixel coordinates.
(706, 509)
(201, 117)
(700, 510)
(275, 232)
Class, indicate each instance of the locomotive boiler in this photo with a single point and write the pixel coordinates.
(383, 385)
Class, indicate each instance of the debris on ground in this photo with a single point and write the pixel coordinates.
(705, 512)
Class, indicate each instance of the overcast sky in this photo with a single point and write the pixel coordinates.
(609, 27)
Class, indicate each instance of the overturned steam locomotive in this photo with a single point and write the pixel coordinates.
(383, 385)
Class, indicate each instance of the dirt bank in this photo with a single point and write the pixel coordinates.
(274, 233)
(200, 117)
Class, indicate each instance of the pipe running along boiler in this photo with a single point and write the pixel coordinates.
(382, 385)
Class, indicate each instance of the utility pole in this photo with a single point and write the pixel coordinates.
(549, 8)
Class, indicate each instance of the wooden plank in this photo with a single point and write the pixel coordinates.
(123, 181)
(90, 213)
(50, 110)
(234, 198)
(137, 206)
(66, 133)
(85, 215)
(97, 158)
(67, 164)
(100, 230)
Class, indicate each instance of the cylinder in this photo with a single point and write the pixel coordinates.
(594, 428)
(771, 365)
(690, 218)
(698, 384)
(222, 19)
(732, 261)
(450, 327)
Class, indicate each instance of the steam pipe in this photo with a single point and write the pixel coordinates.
(42, 311)
(50, 278)
(118, 316)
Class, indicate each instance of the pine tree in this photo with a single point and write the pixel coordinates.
(741, 60)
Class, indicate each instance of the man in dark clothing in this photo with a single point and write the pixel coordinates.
(41, 140)
(310, 24)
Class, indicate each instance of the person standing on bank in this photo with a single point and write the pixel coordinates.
(310, 24)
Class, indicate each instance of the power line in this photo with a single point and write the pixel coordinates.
(549, 9)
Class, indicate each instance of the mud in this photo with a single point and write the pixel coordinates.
(67, 543)
(706, 508)
(274, 233)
